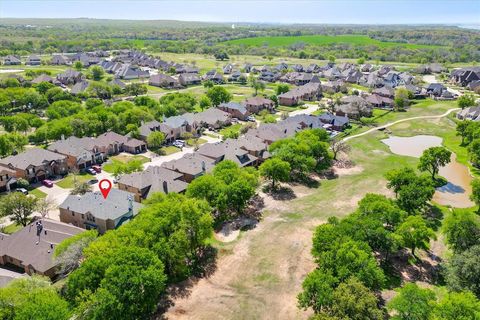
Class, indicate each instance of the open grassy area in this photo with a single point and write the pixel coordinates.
(231, 129)
(11, 228)
(169, 150)
(192, 142)
(68, 181)
(38, 193)
(127, 157)
(321, 40)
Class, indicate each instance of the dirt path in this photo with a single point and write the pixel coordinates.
(400, 121)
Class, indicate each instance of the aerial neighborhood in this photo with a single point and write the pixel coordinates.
(352, 153)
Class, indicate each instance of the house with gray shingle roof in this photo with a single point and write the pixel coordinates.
(31, 248)
(153, 179)
(33, 60)
(36, 164)
(237, 110)
(190, 166)
(11, 60)
(93, 211)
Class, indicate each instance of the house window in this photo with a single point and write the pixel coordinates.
(1, 178)
(73, 214)
(83, 216)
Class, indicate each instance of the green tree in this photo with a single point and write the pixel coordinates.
(462, 129)
(221, 55)
(433, 158)
(81, 188)
(69, 253)
(218, 95)
(475, 196)
(352, 300)
(412, 303)
(136, 89)
(382, 209)
(18, 207)
(275, 170)
(282, 88)
(204, 102)
(474, 152)
(457, 306)
(401, 99)
(178, 102)
(156, 139)
(78, 65)
(414, 233)
(256, 84)
(97, 73)
(318, 288)
(6, 145)
(465, 101)
(463, 271)
(32, 298)
(462, 230)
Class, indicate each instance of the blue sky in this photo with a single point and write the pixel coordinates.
(332, 12)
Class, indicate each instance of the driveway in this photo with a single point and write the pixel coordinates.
(311, 108)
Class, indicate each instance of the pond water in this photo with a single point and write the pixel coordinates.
(456, 192)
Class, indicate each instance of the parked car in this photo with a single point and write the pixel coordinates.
(22, 190)
(178, 144)
(47, 183)
(97, 169)
(234, 120)
(91, 171)
(181, 142)
(251, 119)
(92, 181)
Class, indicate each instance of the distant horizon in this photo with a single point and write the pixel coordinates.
(323, 12)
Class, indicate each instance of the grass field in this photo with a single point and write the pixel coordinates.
(12, 228)
(38, 193)
(68, 181)
(322, 40)
(169, 150)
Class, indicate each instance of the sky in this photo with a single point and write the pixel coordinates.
(320, 11)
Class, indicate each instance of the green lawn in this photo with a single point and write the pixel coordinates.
(230, 129)
(169, 150)
(12, 228)
(38, 193)
(321, 40)
(125, 158)
(191, 142)
(67, 182)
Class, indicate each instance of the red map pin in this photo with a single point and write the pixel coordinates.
(105, 187)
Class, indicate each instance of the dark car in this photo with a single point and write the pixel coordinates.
(92, 181)
(91, 171)
(47, 183)
(97, 169)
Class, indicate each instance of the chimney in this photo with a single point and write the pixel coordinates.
(203, 166)
(285, 131)
(165, 187)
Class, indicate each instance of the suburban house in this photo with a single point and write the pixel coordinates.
(70, 77)
(353, 107)
(190, 166)
(43, 78)
(59, 59)
(7, 178)
(309, 92)
(153, 179)
(118, 82)
(464, 76)
(11, 60)
(80, 153)
(258, 103)
(128, 72)
(187, 79)
(211, 118)
(36, 164)
(378, 101)
(79, 87)
(334, 122)
(471, 113)
(177, 126)
(163, 81)
(93, 211)
(113, 143)
(253, 145)
(33, 60)
(236, 109)
(221, 151)
(31, 248)
(387, 92)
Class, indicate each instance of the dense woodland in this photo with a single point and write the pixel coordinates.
(449, 44)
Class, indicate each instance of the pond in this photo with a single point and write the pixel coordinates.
(456, 192)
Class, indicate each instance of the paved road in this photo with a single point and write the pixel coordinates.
(400, 121)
